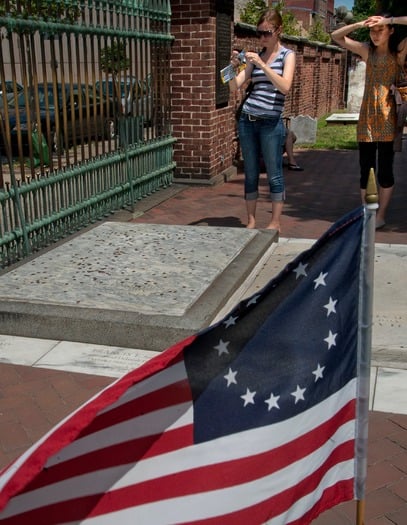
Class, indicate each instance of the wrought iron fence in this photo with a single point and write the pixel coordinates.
(85, 114)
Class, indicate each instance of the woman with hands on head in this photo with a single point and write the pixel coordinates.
(261, 128)
(376, 128)
(376, 20)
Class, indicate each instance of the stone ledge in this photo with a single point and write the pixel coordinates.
(130, 285)
(342, 118)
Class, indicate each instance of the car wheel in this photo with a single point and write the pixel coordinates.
(110, 129)
(58, 143)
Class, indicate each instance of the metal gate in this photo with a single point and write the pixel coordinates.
(85, 114)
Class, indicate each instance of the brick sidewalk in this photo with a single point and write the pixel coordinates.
(316, 197)
(33, 400)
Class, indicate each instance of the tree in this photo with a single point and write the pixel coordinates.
(317, 32)
(364, 8)
(396, 8)
(290, 23)
(52, 11)
(48, 10)
(343, 16)
(252, 11)
(368, 7)
(114, 59)
(254, 8)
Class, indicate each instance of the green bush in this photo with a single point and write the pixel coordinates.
(317, 32)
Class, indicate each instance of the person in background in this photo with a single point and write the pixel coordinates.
(376, 128)
(260, 127)
(288, 150)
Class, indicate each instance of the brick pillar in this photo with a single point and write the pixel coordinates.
(204, 132)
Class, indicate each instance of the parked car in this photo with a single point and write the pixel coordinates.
(9, 87)
(8, 93)
(135, 95)
(74, 114)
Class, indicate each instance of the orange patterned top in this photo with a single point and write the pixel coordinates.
(377, 118)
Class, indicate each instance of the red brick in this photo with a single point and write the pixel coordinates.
(400, 420)
(386, 428)
(194, 76)
(382, 474)
(381, 503)
(333, 517)
(13, 437)
(380, 521)
(400, 462)
(400, 488)
(399, 516)
(383, 449)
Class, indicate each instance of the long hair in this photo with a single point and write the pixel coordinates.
(393, 40)
(272, 16)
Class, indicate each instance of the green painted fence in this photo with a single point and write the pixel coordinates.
(85, 115)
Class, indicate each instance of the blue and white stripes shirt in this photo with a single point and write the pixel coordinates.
(265, 100)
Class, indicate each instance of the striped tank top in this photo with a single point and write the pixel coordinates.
(265, 100)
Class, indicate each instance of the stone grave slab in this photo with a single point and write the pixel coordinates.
(130, 285)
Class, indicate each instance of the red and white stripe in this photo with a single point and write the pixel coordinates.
(136, 463)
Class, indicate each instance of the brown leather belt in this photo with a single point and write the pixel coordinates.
(253, 118)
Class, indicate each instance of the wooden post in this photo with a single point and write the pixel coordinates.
(360, 512)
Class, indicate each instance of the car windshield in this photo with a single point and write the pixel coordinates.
(10, 87)
(43, 92)
(125, 86)
(21, 101)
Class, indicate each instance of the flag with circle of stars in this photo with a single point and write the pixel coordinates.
(252, 420)
(285, 349)
(283, 358)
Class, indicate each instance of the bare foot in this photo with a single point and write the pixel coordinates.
(274, 226)
(251, 224)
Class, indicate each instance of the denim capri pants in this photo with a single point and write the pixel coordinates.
(262, 137)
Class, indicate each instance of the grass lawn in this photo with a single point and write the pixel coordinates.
(334, 136)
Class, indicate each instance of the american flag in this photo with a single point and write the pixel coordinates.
(251, 421)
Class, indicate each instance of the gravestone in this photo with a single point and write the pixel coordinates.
(305, 129)
(356, 87)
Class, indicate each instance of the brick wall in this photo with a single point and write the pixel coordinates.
(203, 149)
(205, 133)
(318, 86)
(305, 11)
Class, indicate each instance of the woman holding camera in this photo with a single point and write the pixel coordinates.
(261, 128)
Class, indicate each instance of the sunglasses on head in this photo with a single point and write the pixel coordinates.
(260, 33)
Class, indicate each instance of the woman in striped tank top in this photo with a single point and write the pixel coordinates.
(261, 128)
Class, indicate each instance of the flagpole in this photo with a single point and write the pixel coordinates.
(365, 343)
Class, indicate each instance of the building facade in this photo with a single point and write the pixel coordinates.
(307, 11)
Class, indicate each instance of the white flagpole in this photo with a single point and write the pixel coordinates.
(365, 343)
